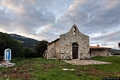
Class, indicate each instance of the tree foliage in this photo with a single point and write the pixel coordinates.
(7, 42)
(17, 48)
(41, 47)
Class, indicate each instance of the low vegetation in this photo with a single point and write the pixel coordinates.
(21, 50)
(47, 69)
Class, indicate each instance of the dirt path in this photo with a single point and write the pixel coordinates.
(85, 62)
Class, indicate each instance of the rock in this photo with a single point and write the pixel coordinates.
(6, 64)
(15, 68)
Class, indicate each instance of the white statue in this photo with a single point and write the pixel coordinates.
(7, 54)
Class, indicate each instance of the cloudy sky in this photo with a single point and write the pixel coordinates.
(47, 19)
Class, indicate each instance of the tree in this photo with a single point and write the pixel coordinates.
(17, 48)
(41, 47)
(7, 42)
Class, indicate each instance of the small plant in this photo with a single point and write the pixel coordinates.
(1, 58)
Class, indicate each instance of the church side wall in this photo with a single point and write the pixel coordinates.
(57, 49)
(53, 50)
(49, 47)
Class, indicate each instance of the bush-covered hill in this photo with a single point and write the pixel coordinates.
(27, 42)
(7, 42)
(115, 52)
(21, 47)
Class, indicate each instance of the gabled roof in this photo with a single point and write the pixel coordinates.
(76, 30)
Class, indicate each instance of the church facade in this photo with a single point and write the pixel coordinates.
(71, 45)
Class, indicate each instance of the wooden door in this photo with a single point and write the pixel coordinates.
(75, 50)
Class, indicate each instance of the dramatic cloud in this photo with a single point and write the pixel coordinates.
(47, 19)
(97, 18)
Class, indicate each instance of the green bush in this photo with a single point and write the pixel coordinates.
(41, 47)
(1, 58)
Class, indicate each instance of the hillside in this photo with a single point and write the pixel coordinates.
(7, 42)
(115, 52)
(27, 42)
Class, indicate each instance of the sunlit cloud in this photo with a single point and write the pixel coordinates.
(47, 19)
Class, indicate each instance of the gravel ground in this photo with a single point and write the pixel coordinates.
(85, 62)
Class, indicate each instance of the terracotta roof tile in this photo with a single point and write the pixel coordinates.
(98, 47)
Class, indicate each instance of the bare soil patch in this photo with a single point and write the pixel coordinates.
(15, 73)
(85, 62)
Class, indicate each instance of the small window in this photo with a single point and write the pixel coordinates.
(74, 30)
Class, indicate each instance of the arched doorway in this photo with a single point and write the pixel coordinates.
(75, 50)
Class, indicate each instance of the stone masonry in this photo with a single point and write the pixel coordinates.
(71, 45)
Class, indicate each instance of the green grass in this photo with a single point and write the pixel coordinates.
(47, 69)
(113, 67)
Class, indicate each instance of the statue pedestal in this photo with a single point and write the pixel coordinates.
(7, 64)
(7, 61)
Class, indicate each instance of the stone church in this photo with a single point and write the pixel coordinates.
(71, 45)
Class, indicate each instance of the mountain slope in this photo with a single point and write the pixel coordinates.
(27, 42)
(115, 52)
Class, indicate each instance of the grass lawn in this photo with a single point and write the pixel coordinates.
(43, 69)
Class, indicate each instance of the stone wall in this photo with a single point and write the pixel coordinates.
(53, 50)
(62, 48)
(67, 39)
(98, 52)
(57, 48)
